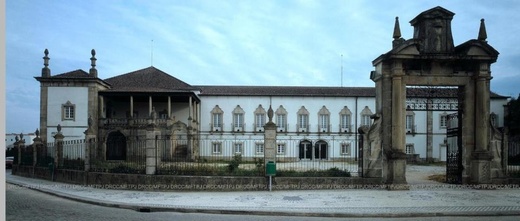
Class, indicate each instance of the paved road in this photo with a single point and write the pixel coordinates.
(27, 204)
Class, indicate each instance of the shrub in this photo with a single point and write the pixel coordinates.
(234, 163)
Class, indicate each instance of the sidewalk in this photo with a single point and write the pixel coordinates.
(420, 200)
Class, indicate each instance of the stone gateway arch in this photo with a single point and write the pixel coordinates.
(430, 59)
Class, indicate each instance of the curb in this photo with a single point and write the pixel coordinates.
(220, 210)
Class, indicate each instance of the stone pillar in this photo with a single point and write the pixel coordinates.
(270, 139)
(19, 144)
(132, 107)
(169, 107)
(429, 133)
(90, 145)
(37, 146)
(58, 148)
(396, 174)
(101, 107)
(481, 157)
(152, 156)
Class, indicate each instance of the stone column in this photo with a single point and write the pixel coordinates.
(169, 107)
(132, 107)
(152, 156)
(37, 146)
(19, 144)
(481, 157)
(90, 145)
(429, 132)
(269, 139)
(58, 148)
(396, 175)
(101, 107)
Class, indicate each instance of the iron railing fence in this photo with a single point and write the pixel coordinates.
(513, 157)
(178, 155)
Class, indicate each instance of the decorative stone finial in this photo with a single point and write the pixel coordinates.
(482, 34)
(270, 113)
(397, 29)
(46, 72)
(37, 132)
(59, 128)
(16, 138)
(93, 70)
(397, 34)
(21, 136)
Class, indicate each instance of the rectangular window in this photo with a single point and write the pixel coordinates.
(345, 123)
(409, 122)
(281, 122)
(365, 120)
(443, 121)
(260, 120)
(324, 122)
(410, 149)
(238, 147)
(280, 148)
(345, 148)
(68, 112)
(238, 121)
(303, 121)
(259, 148)
(217, 121)
(217, 148)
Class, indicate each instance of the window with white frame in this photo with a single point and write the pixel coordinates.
(410, 148)
(443, 120)
(238, 147)
(365, 116)
(259, 147)
(344, 119)
(217, 147)
(303, 120)
(68, 111)
(323, 117)
(280, 148)
(345, 148)
(410, 122)
(216, 119)
(259, 118)
(238, 119)
(281, 119)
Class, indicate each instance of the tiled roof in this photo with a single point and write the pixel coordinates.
(286, 91)
(73, 74)
(148, 79)
(214, 90)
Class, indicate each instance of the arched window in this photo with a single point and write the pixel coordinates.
(216, 119)
(259, 118)
(116, 146)
(324, 120)
(238, 119)
(281, 119)
(345, 120)
(365, 116)
(303, 120)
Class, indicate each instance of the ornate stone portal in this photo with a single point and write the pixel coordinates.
(431, 59)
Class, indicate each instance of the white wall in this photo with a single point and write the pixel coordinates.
(71, 129)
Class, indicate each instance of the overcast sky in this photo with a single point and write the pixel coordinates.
(246, 42)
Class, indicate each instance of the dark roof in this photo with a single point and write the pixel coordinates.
(321, 91)
(148, 79)
(286, 91)
(73, 74)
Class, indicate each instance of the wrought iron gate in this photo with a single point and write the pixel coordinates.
(454, 150)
